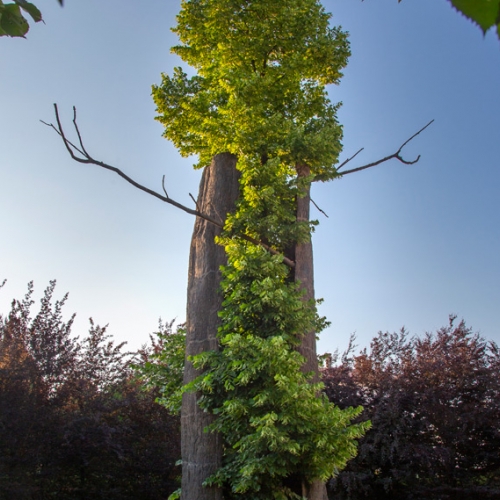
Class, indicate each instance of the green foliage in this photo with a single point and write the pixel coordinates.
(255, 92)
(12, 21)
(259, 93)
(162, 366)
(484, 13)
(274, 424)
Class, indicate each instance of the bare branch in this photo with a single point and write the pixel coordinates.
(396, 155)
(59, 133)
(78, 132)
(195, 202)
(86, 158)
(349, 159)
(163, 186)
(322, 211)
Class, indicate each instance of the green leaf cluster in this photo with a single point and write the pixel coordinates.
(163, 368)
(12, 21)
(274, 422)
(259, 92)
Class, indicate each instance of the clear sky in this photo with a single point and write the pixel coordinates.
(403, 245)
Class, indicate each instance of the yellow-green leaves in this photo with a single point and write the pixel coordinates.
(269, 414)
(262, 67)
(291, 35)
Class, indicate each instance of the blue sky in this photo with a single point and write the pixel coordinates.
(403, 245)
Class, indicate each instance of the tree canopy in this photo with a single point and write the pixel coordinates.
(259, 90)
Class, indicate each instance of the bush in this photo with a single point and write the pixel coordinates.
(434, 404)
(75, 423)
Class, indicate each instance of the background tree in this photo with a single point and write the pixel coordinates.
(75, 422)
(434, 403)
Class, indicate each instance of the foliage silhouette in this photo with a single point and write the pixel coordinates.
(75, 423)
(434, 404)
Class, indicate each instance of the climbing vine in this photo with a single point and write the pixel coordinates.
(259, 93)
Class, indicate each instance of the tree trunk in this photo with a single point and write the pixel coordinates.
(201, 451)
(304, 272)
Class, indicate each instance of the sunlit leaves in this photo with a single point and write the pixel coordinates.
(262, 67)
(273, 422)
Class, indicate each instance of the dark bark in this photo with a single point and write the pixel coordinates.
(304, 273)
(202, 451)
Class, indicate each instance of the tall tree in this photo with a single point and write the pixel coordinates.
(259, 96)
(258, 99)
(202, 451)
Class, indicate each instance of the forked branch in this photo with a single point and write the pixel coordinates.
(88, 159)
(396, 155)
(80, 154)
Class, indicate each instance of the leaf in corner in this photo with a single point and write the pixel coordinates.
(31, 9)
(485, 13)
(12, 22)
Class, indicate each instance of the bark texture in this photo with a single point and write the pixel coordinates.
(201, 451)
(304, 272)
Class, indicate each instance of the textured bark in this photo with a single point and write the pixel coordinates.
(202, 451)
(304, 272)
